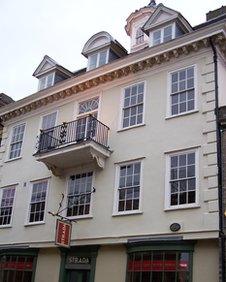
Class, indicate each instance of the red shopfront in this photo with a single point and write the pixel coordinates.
(159, 263)
(17, 265)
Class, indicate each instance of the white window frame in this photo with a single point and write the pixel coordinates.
(46, 79)
(173, 25)
(168, 110)
(98, 59)
(27, 222)
(13, 206)
(78, 115)
(90, 214)
(167, 179)
(116, 188)
(120, 126)
(11, 136)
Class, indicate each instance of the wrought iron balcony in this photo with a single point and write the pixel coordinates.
(72, 144)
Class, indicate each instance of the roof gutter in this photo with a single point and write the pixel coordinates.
(219, 165)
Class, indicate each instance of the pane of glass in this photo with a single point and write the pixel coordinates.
(122, 194)
(175, 77)
(182, 97)
(183, 261)
(169, 276)
(121, 205)
(174, 173)
(125, 122)
(103, 58)
(183, 185)
(182, 160)
(175, 110)
(49, 80)
(174, 87)
(136, 204)
(157, 276)
(137, 168)
(190, 94)
(182, 75)
(182, 172)
(191, 184)
(141, 88)
(182, 85)
(122, 182)
(174, 187)
(93, 61)
(136, 276)
(127, 92)
(157, 37)
(191, 170)
(133, 120)
(27, 276)
(191, 158)
(175, 99)
(182, 198)
(129, 204)
(146, 276)
(168, 31)
(174, 161)
(182, 107)
(191, 105)
(190, 83)
(190, 72)
(191, 197)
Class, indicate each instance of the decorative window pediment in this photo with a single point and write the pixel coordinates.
(164, 16)
(102, 48)
(50, 72)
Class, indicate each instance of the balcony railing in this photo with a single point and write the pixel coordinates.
(77, 131)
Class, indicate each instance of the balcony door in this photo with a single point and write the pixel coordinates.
(48, 123)
(79, 276)
(86, 125)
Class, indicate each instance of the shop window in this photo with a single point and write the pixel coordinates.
(15, 268)
(159, 266)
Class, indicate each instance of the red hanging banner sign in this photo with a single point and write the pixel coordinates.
(63, 233)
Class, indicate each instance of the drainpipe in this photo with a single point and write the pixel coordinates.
(219, 164)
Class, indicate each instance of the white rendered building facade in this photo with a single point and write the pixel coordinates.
(130, 142)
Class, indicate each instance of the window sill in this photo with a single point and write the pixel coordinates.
(183, 114)
(131, 127)
(88, 216)
(14, 159)
(128, 213)
(5, 226)
(182, 207)
(34, 223)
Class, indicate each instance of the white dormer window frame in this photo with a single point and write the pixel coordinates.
(46, 81)
(98, 59)
(161, 32)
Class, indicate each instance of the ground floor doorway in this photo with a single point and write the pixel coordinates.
(79, 276)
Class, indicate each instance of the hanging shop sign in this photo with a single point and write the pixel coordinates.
(63, 233)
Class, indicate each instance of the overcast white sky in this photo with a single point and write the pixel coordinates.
(29, 29)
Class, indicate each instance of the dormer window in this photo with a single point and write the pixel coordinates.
(50, 72)
(162, 35)
(98, 59)
(46, 81)
(164, 25)
(102, 49)
(139, 36)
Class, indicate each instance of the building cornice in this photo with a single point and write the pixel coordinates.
(133, 63)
